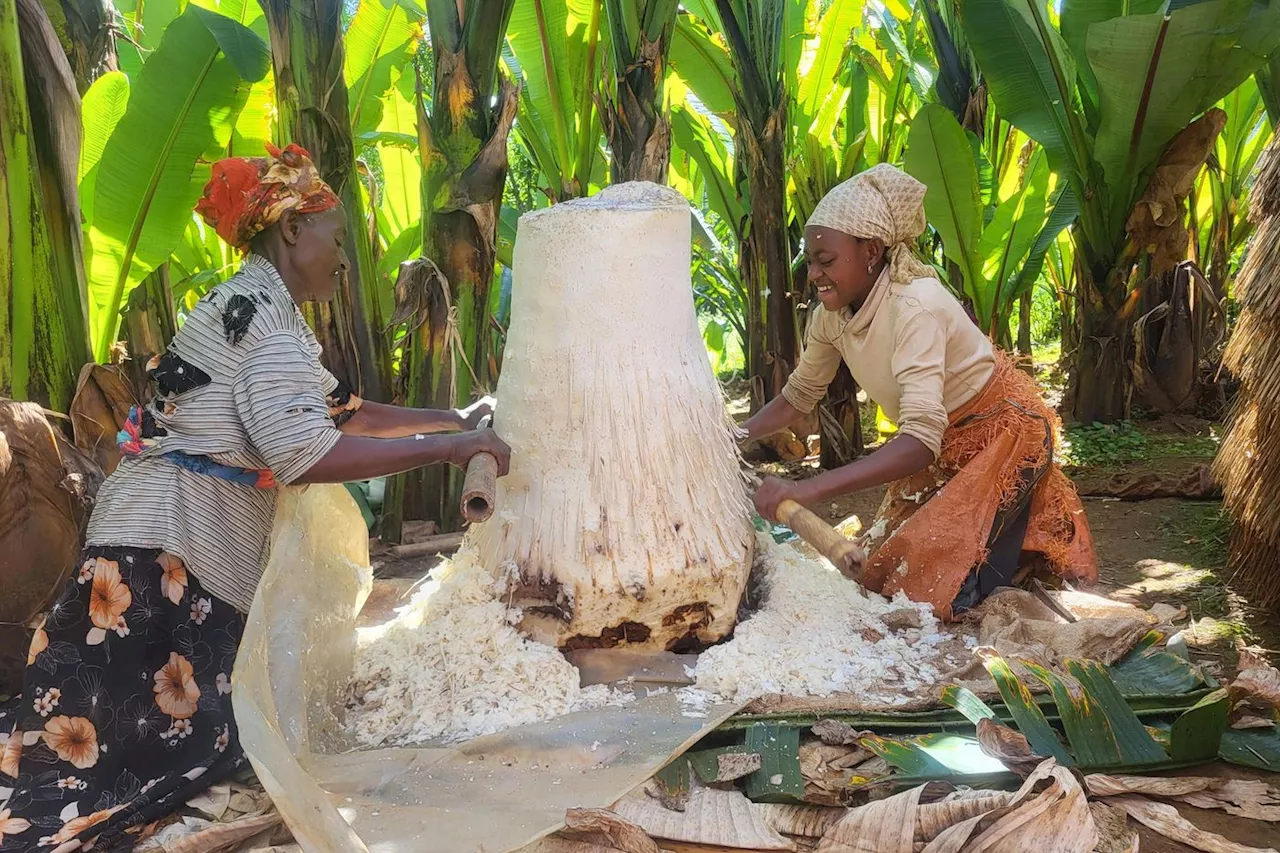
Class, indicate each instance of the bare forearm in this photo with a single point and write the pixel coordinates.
(378, 420)
(901, 457)
(357, 457)
(776, 415)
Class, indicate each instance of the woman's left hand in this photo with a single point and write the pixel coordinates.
(470, 417)
(773, 491)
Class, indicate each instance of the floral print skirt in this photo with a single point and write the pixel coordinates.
(125, 712)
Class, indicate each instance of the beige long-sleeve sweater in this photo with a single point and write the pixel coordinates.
(911, 347)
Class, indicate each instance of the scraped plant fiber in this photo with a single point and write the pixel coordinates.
(625, 516)
(1248, 463)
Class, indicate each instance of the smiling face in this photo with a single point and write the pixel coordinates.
(317, 261)
(841, 267)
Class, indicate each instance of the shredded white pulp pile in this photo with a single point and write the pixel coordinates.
(451, 666)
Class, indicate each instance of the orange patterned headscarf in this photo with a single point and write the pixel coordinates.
(247, 195)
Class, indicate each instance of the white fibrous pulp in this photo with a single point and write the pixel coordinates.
(451, 666)
(817, 635)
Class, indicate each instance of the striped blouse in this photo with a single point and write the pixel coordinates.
(241, 383)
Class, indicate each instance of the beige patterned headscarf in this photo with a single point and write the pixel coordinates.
(883, 202)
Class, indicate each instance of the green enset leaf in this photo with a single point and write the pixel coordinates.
(1025, 712)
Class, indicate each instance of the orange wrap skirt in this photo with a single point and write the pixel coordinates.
(935, 528)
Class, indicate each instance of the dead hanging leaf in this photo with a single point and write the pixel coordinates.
(99, 410)
(1164, 819)
(1008, 746)
(711, 816)
(1243, 797)
(1055, 820)
(1156, 223)
(420, 295)
(601, 826)
(47, 489)
(1114, 833)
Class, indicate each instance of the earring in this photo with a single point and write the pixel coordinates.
(871, 268)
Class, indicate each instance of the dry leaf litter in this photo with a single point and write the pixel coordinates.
(451, 666)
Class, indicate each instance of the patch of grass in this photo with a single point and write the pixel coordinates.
(1096, 445)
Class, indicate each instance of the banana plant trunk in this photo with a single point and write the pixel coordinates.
(463, 145)
(87, 31)
(638, 131)
(764, 258)
(1101, 380)
(311, 97)
(44, 337)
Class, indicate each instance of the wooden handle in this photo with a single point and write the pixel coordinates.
(845, 555)
(478, 487)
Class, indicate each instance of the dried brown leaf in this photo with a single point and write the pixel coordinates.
(836, 733)
(1009, 746)
(711, 816)
(1259, 685)
(1114, 834)
(1164, 819)
(604, 826)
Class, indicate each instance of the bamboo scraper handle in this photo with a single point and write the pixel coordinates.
(480, 483)
(845, 555)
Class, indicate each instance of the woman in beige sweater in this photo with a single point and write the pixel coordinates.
(974, 493)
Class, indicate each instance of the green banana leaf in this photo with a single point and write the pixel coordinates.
(144, 22)
(253, 125)
(379, 44)
(693, 133)
(179, 118)
(1258, 748)
(1030, 74)
(101, 109)
(821, 93)
(1007, 240)
(700, 59)
(939, 156)
(1076, 18)
(557, 49)
(939, 756)
(1156, 73)
(1026, 714)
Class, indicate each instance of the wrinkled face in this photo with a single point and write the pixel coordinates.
(315, 251)
(842, 268)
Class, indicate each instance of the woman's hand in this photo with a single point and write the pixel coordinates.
(470, 417)
(465, 445)
(773, 491)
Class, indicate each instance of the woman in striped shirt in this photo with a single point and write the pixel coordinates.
(126, 711)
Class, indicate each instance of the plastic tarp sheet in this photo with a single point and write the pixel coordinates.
(490, 795)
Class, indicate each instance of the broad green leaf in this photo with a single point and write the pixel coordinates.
(1258, 748)
(1197, 734)
(179, 119)
(1078, 15)
(558, 52)
(1008, 238)
(1101, 728)
(101, 110)
(401, 199)
(1155, 74)
(693, 134)
(1065, 211)
(1029, 72)
(967, 702)
(819, 81)
(253, 127)
(939, 156)
(702, 61)
(937, 755)
(144, 22)
(1025, 712)
(381, 40)
(1155, 673)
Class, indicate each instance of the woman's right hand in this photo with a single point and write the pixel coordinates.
(465, 445)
